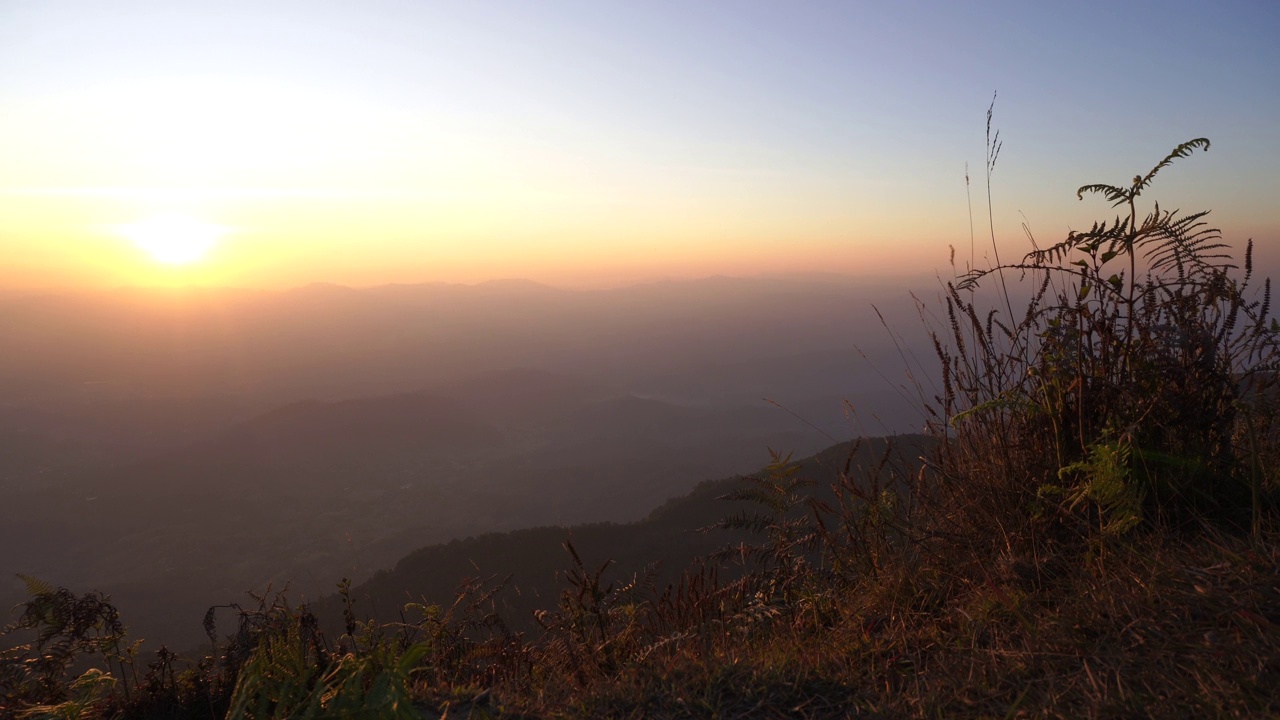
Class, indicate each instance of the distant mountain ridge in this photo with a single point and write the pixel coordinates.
(329, 342)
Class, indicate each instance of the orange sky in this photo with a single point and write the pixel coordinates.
(582, 145)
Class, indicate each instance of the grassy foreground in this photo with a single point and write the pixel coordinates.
(1175, 623)
(1170, 627)
(1093, 533)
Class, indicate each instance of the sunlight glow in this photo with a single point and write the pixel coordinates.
(174, 239)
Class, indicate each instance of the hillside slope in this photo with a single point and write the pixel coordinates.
(531, 561)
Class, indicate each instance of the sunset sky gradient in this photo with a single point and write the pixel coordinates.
(594, 143)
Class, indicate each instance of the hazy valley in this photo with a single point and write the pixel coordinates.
(175, 449)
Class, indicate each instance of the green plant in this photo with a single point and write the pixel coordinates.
(61, 629)
(1128, 381)
(782, 517)
(282, 679)
(1105, 480)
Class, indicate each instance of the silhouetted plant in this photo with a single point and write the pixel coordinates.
(783, 520)
(1127, 384)
(470, 644)
(62, 628)
(597, 624)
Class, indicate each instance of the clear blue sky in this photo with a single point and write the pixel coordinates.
(577, 142)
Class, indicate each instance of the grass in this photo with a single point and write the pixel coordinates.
(1180, 622)
(1094, 534)
(1171, 628)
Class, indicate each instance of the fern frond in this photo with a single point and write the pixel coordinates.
(1117, 196)
(35, 586)
(753, 522)
(1181, 151)
(1186, 242)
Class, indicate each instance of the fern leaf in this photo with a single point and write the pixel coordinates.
(1116, 195)
(35, 586)
(1181, 151)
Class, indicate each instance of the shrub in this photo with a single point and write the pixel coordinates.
(1134, 385)
(63, 629)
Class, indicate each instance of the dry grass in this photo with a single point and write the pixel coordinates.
(1171, 626)
(1173, 622)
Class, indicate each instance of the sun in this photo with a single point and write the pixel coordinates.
(174, 239)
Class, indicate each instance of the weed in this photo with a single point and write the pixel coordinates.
(1130, 385)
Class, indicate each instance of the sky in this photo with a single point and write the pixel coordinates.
(275, 144)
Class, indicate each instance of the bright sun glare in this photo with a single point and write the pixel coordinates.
(174, 239)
